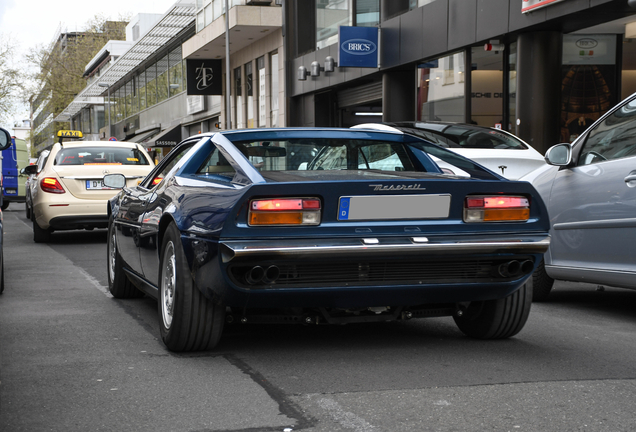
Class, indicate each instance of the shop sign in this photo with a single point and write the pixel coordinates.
(204, 77)
(532, 5)
(582, 49)
(358, 47)
(195, 104)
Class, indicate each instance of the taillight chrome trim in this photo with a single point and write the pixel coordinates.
(496, 208)
(284, 211)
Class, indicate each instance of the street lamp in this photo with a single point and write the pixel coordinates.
(103, 84)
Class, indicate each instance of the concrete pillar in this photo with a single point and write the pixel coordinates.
(539, 88)
(399, 95)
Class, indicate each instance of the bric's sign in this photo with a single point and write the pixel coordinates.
(358, 47)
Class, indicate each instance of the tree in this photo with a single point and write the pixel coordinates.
(10, 80)
(60, 65)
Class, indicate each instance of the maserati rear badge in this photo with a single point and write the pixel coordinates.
(381, 187)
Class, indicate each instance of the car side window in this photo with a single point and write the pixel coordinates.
(167, 164)
(613, 138)
(217, 165)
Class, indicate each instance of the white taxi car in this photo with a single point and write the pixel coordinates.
(69, 192)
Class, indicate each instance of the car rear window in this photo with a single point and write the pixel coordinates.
(326, 154)
(100, 156)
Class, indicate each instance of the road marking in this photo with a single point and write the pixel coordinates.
(345, 418)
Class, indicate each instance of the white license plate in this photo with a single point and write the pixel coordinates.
(95, 185)
(394, 207)
(11, 191)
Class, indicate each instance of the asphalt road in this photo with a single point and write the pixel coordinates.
(72, 358)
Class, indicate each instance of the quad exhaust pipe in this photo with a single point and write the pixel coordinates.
(515, 268)
(258, 274)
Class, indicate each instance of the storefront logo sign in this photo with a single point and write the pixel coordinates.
(358, 47)
(204, 77)
(586, 43)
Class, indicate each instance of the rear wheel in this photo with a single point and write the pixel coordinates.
(497, 319)
(188, 320)
(118, 283)
(541, 283)
(40, 235)
(5, 205)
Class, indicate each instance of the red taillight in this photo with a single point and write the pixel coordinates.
(51, 185)
(285, 211)
(496, 209)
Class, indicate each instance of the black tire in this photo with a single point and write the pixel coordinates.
(497, 319)
(118, 283)
(188, 320)
(28, 211)
(541, 283)
(5, 205)
(40, 235)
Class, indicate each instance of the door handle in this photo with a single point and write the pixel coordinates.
(630, 178)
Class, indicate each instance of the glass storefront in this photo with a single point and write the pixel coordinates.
(440, 89)
(486, 96)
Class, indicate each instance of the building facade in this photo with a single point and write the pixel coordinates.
(542, 69)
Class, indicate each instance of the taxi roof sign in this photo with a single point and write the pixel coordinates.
(70, 134)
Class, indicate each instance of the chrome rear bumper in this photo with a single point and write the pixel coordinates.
(371, 246)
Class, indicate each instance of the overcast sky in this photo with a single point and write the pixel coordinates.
(30, 23)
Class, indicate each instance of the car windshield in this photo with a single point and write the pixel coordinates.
(327, 154)
(465, 136)
(100, 156)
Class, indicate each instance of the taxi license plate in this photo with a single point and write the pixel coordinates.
(394, 207)
(95, 185)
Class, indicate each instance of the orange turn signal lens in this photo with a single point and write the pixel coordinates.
(496, 209)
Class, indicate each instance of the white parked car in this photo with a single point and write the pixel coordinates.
(495, 149)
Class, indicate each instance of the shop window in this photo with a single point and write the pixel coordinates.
(589, 85)
(262, 98)
(141, 80)
(176, 71)
(250, 94)
(436, 101)
(274, 88)
(162, 79)
(238, 97)
(512, 88)
(486, 77)
(367, 13)
(151, 85)
(330, 15)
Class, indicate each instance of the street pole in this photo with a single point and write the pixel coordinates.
(228, 104)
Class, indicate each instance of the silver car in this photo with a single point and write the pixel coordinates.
(589, 188)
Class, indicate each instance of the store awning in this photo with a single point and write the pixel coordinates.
(168, 137)
(144, 135)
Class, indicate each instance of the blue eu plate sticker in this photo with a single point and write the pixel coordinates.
(343, 210)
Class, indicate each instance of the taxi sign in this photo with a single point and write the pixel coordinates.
(69, 134)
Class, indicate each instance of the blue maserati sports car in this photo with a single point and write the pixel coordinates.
(323, 226)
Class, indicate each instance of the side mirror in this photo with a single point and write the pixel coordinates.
(30, 169)
(5, 139)
(115, 181)
(559, 155)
